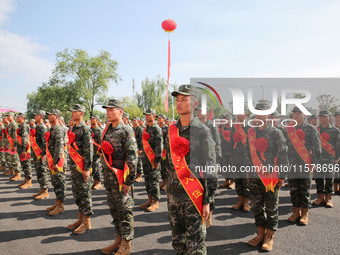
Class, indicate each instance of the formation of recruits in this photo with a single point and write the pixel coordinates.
(173, 151)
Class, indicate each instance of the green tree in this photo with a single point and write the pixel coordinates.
(327, 103)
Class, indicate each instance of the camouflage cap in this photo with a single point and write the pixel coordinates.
(126, 115)
(46, 121)
(55, 112)
(20, 114)
(162, 116)
(150, 111)
(9, 114)
(336, 113)
(113, 103)
(77, 108)
(142, 119)
(94, 117)
(274, 114)
(135, 118)
(296, 109)
(40, 112)
(261, 106)
(324, 113)
(186, 90)
(313, 116)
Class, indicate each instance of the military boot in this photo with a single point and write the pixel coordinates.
(113, 247)
(328, 201)
(296, 214)
(246, 206)
(35, 195)
(43, 195)
(138, 177)
(27, 184)
(16, 176)
(320, 200)
(239, 203)
(304, 216)
(225, 184)
(268, 240)
(51, 208)
(9, 172)
(154, 206)
(147, 204)
(125, 248)
(84, 226)
(2, 168)
(77, 223)
(58, 209)
(19, 185)
(258, 238)
(96, 184)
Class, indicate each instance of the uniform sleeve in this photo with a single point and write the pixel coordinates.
(316, 146)
(217, 139)
(88, 149)
(139, 137)
(130, 148)
(43, 130)
(24, 136)
(59, 146)
(282, 153)
(158, 144)
(337, 144)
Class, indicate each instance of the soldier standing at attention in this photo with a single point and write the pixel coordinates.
(337, 174)
(11, 133)
(151, 158)
(304, 148)
(7, 146)
(141, 123)
(38, 144)
(23, 146)
(189, 146)
(268, 148)
(119, 150)
(97, 133)
(55, 146)
(330, 142)
(32, 123)
(139, 135)
(81, 153)
(164, 173)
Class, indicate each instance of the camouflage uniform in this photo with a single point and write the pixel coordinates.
(6, 145)
(300, 182)
(324, 181)
(56, 146)
(2, 145)
(96, 163)
(337, 173)
(139, 135)
(164, 172)
(81, 190)
(265, 203)
(25, 164)
(151, 174)
(124, 146)
(14, 158)
(41, 168)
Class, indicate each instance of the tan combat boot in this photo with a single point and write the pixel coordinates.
(320, 200)
(77, 223)
(2, 168)
(16, 176)
(258, 238)
(328, 201)
(147, 204)
(125, 248)
(96, 185)
(154, 206)
(268, 240)
(246, 206)
(84, 226)
(44, 194)
(113, 247)
(58, 209)
(9, 172)
(138, 177)
(51, 208)
(239, 203)
(209, 220)
(225, 184)
(35, 195)
(231, 184)
(296, 214)
(27, 184)
(19, 185)
(304, 216)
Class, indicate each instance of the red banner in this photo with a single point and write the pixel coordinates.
(148, 150)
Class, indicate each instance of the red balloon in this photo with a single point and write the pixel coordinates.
(169, 25)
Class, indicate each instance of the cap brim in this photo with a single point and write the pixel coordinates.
(176, 93)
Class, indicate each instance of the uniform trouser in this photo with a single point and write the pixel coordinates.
(337, 174)
(41, 171)
(8, 159)
(242, 187)
(15, 163)
(265, 205)
(97, 168)
(151, 176)
(212, 186)
(82, 192)
(59, 185)
(300, 191)
(188, 232)
(2, 158)
(325, 180)
(120, 206)
(27, 168)
(164, 171)
(139, 165)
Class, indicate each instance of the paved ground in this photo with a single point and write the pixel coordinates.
(26, 228)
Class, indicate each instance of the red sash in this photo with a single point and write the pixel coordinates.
(96, 144)
(148, 150)
(27, 155)
(190, 183)
(326, 145)
(163, 154)
(77, 159)
(50, 161)
(10, 140)
(240, 130)
(268, 180)
(299, 146)
(35, 147)
(120, 174)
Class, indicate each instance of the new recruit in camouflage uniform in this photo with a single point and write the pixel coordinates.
(188, 232)
(41, 168)
(300, 181)
(152, 175)
(24, 133)
(56, 146)
(325, 180)
(81, 190)
(96, 162)
(139, 135)
(14, 158)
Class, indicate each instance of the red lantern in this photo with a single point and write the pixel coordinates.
(169, 25)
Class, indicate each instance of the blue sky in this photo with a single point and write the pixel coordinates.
(212, 39)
